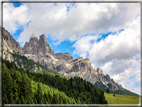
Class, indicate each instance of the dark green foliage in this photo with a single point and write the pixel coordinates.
(74, 87)
(17, 88)
(107, 90)
(114, 95)
(39, 95)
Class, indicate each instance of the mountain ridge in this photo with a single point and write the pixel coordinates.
(40, 51)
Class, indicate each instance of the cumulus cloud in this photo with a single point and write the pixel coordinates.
(118, 47)
(84, 43)
(82, 18)
(13, 17)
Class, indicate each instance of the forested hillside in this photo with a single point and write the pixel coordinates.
(24, 87)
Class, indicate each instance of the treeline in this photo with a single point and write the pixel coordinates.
(17, 88)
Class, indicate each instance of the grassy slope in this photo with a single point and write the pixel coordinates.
(121, 99)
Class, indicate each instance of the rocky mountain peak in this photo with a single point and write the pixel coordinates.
(100, 71)
(107, 76)
(33, 39)
(43, 41)
(87, 59)
(43, 38)
(63, 56)
(11, 42)
(33, 35)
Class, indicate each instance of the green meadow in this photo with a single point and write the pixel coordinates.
(121, 99)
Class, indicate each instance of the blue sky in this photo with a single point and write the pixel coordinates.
(17, 4)
(108, 34)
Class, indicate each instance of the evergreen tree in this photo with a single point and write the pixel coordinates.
(107, 90)
(7, 83)
(5, 99)
(11, 100)
(18, 101)
(23, 100)
(39, 95)
(78, 101)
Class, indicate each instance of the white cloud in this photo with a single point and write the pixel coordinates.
(13, 17)
(122, 46)
(82, 19)
(106, 67)
(84, 43)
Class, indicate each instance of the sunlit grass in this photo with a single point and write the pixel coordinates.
(121, 99)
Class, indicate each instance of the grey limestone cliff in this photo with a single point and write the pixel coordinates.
(11, 42)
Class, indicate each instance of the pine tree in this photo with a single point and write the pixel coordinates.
(7, 83)
(5, 99)
(15, 90)
(78, 101)
(11, 100)
(39, 95)
(35, 101)
(22, 100)
(45, 98)
(18, 101)
(107, 90)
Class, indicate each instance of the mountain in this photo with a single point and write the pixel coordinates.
(40, 52)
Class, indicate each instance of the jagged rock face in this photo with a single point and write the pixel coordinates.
(100, 71)
(7, 55)
(35, 68)
(82, 68)
(39, 51)
(11, 42)
(105, 80)
(40, 48)
(64, 63)
(64, 56)
(43, 46)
